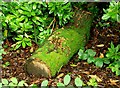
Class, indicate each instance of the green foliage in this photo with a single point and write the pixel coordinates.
(113, 55)
(44, 84)
(1, 52)
(25, 22)
(66, 81)
(14, 83)
(92, 82)
(1, 48)
(61, 11)
(87, 55)
(113, 12)
(6, 64)
(78, 82)
(112, 58)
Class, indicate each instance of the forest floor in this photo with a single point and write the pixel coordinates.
(101, 36)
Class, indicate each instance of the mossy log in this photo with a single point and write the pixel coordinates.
(60, 47)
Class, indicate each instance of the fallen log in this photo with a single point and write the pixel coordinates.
(60, 47)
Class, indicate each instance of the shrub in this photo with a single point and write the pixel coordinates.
(25, 22)
(113, 12)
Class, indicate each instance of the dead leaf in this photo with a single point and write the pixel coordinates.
(101, 55)
(73, 65)
(100, 45)
(86, 72)
(113, 82)
(60, 75)
(96, 77)
(31, 50)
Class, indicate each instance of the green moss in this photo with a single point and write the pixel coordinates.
(63, 44)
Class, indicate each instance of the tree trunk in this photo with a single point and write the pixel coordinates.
(60, 46)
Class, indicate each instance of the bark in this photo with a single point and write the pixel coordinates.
(60, 46)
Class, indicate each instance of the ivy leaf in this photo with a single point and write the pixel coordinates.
(99, 62)
(78, 82)
(84, 56)
(66, 79)
(44, 83)
(80, 53)
(4, 81)
(106, 61)
(59, 85)
(91, 52)
(14, 80)
(90, 59)
(21, 83)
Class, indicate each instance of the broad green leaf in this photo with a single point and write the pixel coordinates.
(112, 46)
(23, 44)
(105, 17)
(117, 48)
(21, 83)
(4, 81)
(99, 62)
(14, 80)
(106, 61)
(84, 56)
(17, 46)
(118, 72)
(44, 83)
(78, 82)
(90, 59)
(29, 43)
(12, 85)
(80, 53)
(66, 79)
(34, 6)
(59, 85)
(0, 85)
(91, 52)
(5, 32)
(33, 86)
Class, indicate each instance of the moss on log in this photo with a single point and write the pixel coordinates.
(60, 47)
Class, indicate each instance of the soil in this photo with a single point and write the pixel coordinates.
(100, 36)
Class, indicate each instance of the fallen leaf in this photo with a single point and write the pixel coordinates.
(73, 65)
(60, 75)
(86, 72)
(100, 45)
(113, 82)
(31, 50)
(96, 77)
(101, 55)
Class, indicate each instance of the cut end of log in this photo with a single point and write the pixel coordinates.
(37, 68)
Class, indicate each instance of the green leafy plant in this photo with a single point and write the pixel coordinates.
(112, 58)
(61, 10)
(66, 81)
(1, 52)
(78, 82)
(87, 55)
(22, 41)
(6, 64)
(44, 84)
(13, 82)
(112, 12)
(113, 55)
(25, 22)
(92, 82)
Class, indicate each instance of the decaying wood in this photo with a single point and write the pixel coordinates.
(60, 46)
